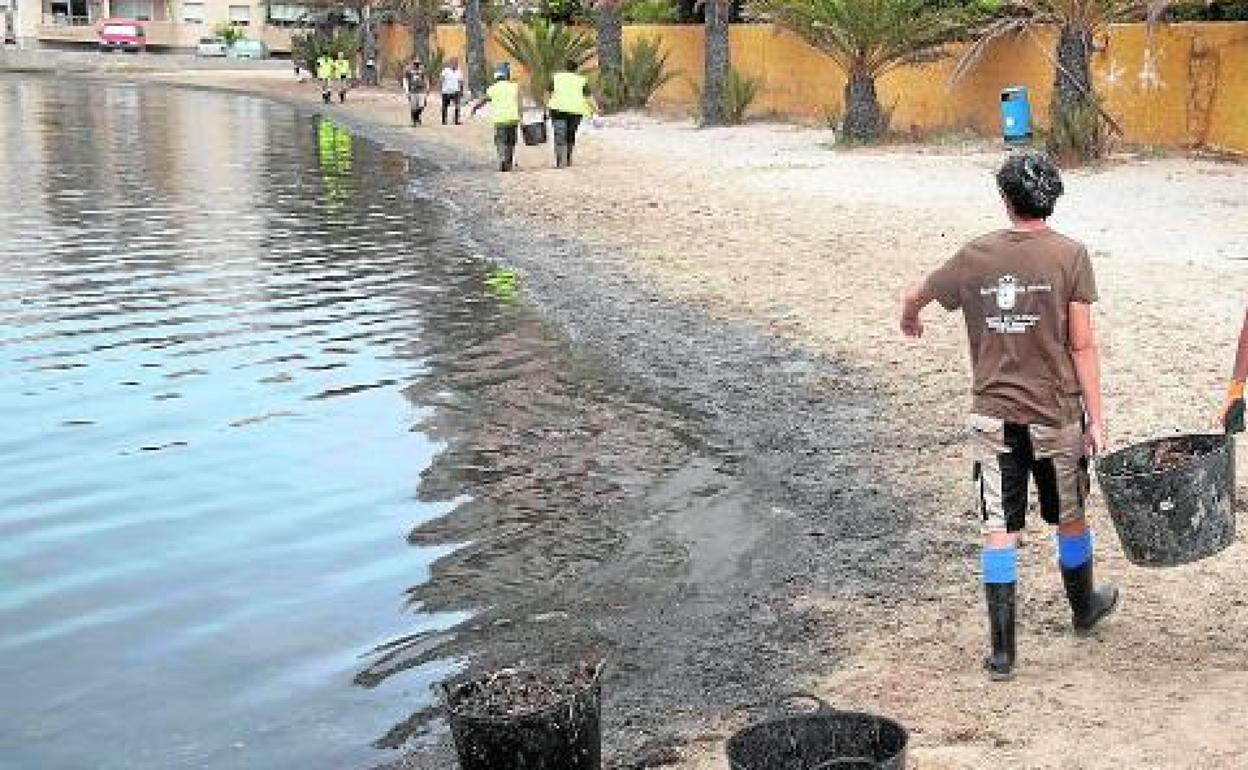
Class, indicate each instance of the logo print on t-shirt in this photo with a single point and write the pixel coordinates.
(1007, 292)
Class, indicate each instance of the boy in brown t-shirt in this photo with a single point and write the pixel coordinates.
(1026, 295)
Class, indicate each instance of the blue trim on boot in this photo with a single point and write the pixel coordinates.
(1000, 565)
(1074, 551)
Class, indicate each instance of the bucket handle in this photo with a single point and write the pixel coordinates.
(780, 706)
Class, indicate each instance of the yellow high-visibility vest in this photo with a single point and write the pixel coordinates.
(342, 68)
(504, 101)
(324, 68)
(569, 94)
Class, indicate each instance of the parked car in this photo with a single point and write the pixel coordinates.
(122, 35)
(249, 49)
(211, 46)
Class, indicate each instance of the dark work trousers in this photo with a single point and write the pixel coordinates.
(505, 142)
(565, 125)
(447, 101)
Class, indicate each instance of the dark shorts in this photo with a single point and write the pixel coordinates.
(1009, 455)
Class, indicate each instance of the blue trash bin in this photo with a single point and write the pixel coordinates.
(1015, 115)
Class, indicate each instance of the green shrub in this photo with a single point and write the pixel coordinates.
(563, 11)
(1077, 134)
(651, 12)
(434, 62)
(740, 91)
(230, 34)
(644, 72)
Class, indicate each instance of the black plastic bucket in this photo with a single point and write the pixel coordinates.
(566, 735)
(1172, 500)
(824, 739)
(533, 133)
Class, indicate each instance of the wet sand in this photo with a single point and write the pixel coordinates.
(803, 525)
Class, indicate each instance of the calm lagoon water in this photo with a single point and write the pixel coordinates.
(211, 311)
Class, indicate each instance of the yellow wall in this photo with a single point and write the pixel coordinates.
(1186, 86)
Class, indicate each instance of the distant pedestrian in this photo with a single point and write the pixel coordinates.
(569, 102)
(504, 100)
(325, 74)
(370, 71)
(452, 88)
(416, 86)
(342, 76)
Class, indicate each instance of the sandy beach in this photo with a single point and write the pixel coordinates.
(857, 581)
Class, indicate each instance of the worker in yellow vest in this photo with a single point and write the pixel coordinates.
(325, 73)
(569, 101)
(504, 99)
(342, 75)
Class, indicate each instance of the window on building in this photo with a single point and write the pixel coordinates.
(132, 9)
(240, 14)
(193, 13)
(284, 15)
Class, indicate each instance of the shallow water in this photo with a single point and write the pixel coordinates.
(214, 313)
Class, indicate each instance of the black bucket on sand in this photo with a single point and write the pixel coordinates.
(823, 739)
(564, 735)
(533, 133)
(1172, 500)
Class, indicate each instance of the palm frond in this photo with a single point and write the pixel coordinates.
(987, 36)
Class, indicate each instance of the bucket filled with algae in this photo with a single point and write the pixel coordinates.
(1172, 500)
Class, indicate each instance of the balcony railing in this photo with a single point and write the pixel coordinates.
(68, 20)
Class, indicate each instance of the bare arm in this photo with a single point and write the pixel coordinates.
(1240, 372)
(913, 301)
(1235, 390)
(1086, 354)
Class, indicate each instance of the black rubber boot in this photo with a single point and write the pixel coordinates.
(1088, 605)
(325, 97)
(561, 156)
(1000, 662)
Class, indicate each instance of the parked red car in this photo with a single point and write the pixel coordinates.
(122, 35)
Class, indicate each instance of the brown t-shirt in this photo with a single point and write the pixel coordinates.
(1014, 289)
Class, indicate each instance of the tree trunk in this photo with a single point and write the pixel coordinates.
(862, 107)
(475, 32)
(610, 39)
(422, 34)
(1073, 79)
(1075, 123)
(717, 62)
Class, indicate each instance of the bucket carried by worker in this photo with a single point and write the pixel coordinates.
(1172, 500)
(823, 739)
(533, 127)
(529, 719)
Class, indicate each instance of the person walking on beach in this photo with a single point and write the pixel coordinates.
(325, 74)
(1026, 297)
(569, 102)
(1231, 416)
(452, 88)
(416, 86)
(504, 99)
(342, 75)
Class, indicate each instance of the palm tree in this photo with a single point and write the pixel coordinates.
(1076, 114)
(610, 39)
(475, 33)
(544, 48)
(866, 38)
(422, 17)
(717, 62)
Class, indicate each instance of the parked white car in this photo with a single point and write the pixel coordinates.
(249, 49)
(211, 46)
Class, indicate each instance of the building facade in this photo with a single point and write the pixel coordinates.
(168, 24)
